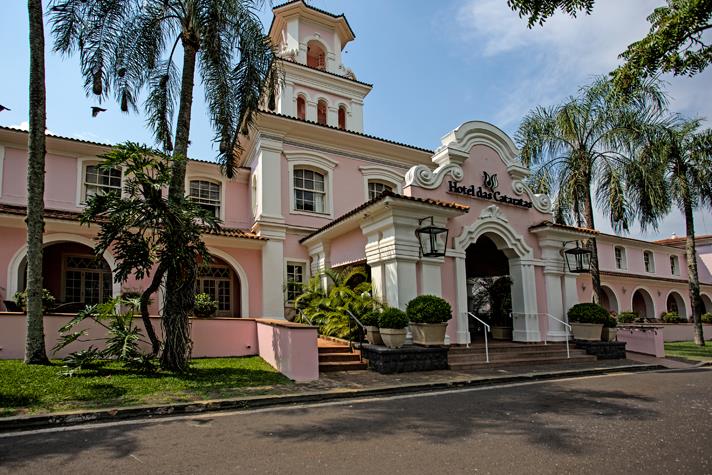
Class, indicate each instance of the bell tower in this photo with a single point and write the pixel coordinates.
(317, 87)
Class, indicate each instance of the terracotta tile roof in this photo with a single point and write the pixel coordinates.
(319, 10)
(351, 132)
(681, 239)
(551, 224)
(326, 72)
(381, 197)
(74, 216)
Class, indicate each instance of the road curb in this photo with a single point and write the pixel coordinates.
(66, 419)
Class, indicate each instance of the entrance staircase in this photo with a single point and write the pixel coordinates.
(336, 355)
(503, 354)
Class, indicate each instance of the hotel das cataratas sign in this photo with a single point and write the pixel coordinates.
(488, 191)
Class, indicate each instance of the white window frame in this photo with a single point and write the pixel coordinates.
(317, 163)
(65, 268)
(674, 264)
(204, 177)
(383, 175)
(305, 274)
(82, 164)
(624, 258)
(220, 203)
(650, 269)
(347, 115)
(199, 280)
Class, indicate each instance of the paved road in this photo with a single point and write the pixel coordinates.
(636, 423)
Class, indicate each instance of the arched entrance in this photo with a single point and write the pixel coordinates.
(221, 282)
(642, 304)
(707, 302)
(609, 300)
(675, 303)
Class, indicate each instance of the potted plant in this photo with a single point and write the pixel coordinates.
(670, 317)
(609, 329)
(587, 320)
(428, 317)
(627, 317)
(392, 323)
(47, 300)
(205, 306)
(370, 321)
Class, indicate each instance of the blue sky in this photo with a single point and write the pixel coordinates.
(434, 65)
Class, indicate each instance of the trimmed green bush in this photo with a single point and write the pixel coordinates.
(627, 317)
(610, 322)
(205, 306)
(588, 313)
(707, 317)
(428, 309)
(393, 318)
(370, 319)
(47, 299)
(670, 317)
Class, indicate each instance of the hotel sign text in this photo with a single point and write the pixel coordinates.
(483, 194)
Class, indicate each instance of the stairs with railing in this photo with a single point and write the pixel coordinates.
(337, 355)
(513, 354)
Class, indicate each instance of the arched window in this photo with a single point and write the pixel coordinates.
(219, 281)
(342, 117)
(301, 108)
(321, 112)
(376, 188)
(309, 190)
(206, 194)
(316, 56)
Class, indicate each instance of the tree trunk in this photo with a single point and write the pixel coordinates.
(180, 277)
(595, 272)
(692, 277)
(35, 352)
(145, 296)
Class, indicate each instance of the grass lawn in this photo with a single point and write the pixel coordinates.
(688, 349)
(32, 389)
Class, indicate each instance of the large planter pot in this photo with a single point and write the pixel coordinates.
(393, 338)
(428, 334)
(501, 333)
(587, 331)
(373, 335)
(609, 334)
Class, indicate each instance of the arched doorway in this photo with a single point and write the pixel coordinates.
(221, 282)
(643, 304)
(676, 304)
(316, 55)
(73, 275)
(609, 300)
(707, 303)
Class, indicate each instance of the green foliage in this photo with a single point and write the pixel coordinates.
(589, 313)
(205, 306)
(493, 300)
(627, 317)
(393, 318)
(538, 11)
(610, 322)
(47, 299)
(707, 318)
(428, 309)
(370, 319)
(671, 317)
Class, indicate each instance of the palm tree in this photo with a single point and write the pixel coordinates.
(679, 155)
(586, 142)
(35, 352)
(126, 46)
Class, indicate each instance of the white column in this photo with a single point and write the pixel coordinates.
(319, 254)
(273, 279)
(554, 303)
(431, 280)
(570, 292)
(463, 327)
(311, 111)
(401, 283)
(524, 304)
(332, 116)
(269, 176)
(288, 102)
(355, 122)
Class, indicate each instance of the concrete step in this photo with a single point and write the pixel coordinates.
(505, 347)
(514, 355)
(342, 366)
(459, 366)
(338, 357)
(334, 349)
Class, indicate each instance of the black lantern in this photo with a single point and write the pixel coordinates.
(432, 239)
(578, 259)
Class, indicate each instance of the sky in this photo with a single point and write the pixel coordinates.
(434, 65)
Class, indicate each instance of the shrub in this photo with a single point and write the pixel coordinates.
(707, 317)
(205, 306)
(393, 318)
(610, 322)
(47, 299)
(370, 319)
(627, 317)
(428, 309)
(670, 317)
(588, 313)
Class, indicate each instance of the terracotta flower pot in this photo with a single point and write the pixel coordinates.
(373, 335)
(392, 337)
(428, 334)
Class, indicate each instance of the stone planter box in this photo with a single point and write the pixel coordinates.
(406, 359)
(587, 331)
(393, 338)
(609, 334)
(603, 350)
(501, 333)
(373, 335)
(428, 334)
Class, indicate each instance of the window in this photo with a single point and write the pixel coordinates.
(649, 261)
(99, 180)
(620, 258)
(342, 117)
(316, 57)
(216, 281)
(301, 108)
(309, 191)
(206, 194)
(321, 112)
(376, 188)
(674, 265)
(87, 279)
(295, 280)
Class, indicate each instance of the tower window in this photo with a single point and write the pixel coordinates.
(301, 108)
(342, 117)
(316, 56)
(321, 112)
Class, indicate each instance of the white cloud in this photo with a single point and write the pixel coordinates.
(24, 125)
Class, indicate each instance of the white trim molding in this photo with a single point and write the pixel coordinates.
(219, 180)
(241, 274)
(316, 162)
(381, 174)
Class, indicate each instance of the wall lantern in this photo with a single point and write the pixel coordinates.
(432, 239)
(578, 259)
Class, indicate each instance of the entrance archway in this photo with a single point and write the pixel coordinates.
(609, 300)
(642, 304)
(707, 302)
(675, 303)
(218, 280)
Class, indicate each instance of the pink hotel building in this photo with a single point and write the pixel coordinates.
(309, 196)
